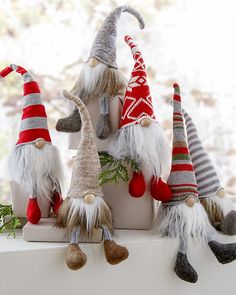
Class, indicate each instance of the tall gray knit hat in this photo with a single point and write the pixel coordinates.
(86, 167)
(208, 183)
(104, 45)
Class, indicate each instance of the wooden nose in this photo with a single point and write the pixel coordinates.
(190, 201)
(93, 62)
(40, 143)
(145, 122)
(89, 198)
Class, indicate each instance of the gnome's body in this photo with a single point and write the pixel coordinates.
(219, 207)
(100, 77)
(35, 163)
(84, 209)
(183, 217)
(140, 137)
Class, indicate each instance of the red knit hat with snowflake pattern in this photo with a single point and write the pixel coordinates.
(181, 181)
(137, 102)
(34, 118)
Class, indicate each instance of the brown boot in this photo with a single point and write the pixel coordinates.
(75, 257)
(72, 123)
(115, 253)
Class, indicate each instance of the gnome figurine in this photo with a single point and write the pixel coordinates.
(35, 163)
(219, 207)
(84, 208)
(100, 77)
(140, 136)
(183, 217)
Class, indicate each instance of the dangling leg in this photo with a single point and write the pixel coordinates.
(183, 268)
(33, 210)
(224, 253)
(114, 253)
(75, 257)
(72, 123)
(103, 129)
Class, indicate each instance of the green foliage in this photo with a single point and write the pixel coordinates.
(115, 170)
(8, 221)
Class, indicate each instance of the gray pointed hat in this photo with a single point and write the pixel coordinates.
(104, 45)
(208, 183)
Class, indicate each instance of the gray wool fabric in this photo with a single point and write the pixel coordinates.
(104, 45)
(86, 167)
(224, 253)
(208, 183)
(184, 269)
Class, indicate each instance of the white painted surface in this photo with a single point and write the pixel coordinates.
(39, 269)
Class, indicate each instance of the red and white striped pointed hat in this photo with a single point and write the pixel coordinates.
(181, 181)
(137, 102)
(34, 118)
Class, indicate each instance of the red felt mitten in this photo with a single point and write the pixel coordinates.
(56, 202)
(160, 190)
(137, 185)
(33, 211)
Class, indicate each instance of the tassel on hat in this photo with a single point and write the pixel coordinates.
(34, 118)
(181, 180)
(84, 205)
(104, 46)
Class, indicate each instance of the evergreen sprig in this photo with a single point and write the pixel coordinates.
(115, 170)
(8, 221)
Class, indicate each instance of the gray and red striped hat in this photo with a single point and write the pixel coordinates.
(34, 118)
(208, 183)
(181, 181)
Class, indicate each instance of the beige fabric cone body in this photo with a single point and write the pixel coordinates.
(75, 210)
(86, 166)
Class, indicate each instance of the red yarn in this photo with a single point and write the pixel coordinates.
(33, 211)
(137, 185)
(160, 190)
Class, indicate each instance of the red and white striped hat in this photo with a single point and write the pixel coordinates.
(34, 118)
(138, 101)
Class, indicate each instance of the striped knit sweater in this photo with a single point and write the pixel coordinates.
(181, 180)
(208, 183)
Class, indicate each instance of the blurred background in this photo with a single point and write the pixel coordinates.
(188, 41)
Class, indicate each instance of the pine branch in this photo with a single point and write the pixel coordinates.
(10, 224)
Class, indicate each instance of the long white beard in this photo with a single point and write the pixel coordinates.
(147, 146)
(37, 171)
(183, 222)
(90, 77)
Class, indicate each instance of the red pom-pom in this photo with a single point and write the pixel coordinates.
(176, 85)
(160, 190)
(33, 211)
(56, 202)
(137, 185)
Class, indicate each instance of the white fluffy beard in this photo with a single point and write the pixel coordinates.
(89, 78)
(224, 203)
(183, 222)
(37, 171)
(146, 145)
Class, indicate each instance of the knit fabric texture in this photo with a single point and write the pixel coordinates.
(86, 167)
(34, 118)
(208, 183)
(104, 46)
(137, 101)
(181, 180)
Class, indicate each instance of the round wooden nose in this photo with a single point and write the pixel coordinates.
(221, 193)
(190, 201)
(89, 198)
(40, 143)
(93, 62)
(145, 122)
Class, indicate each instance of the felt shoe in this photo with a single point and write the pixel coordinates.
(33, 211)
(228, 225)
(72, 123)
(184, 269)
(75, 257)
(56, 202)
(115, 253)
(137, 185)
(224, 253)
(103, 129)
